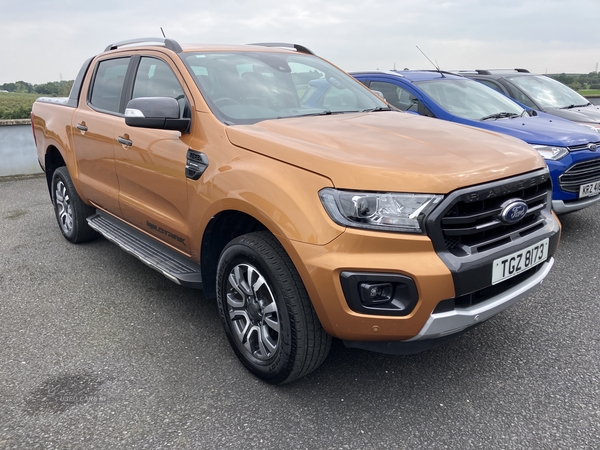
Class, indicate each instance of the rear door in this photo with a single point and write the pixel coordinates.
(93, 131)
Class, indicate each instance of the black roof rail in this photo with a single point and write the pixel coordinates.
(463, 71)
(299, 48)
(491, 71)
(171, 44)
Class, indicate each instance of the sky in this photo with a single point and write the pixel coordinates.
(48, 40)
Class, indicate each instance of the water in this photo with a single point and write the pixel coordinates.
(594, 100)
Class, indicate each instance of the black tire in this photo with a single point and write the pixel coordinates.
(71, 212)
(266, 312)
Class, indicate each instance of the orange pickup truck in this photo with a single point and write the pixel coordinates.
(309, 213)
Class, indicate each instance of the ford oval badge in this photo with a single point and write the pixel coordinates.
(513, 211)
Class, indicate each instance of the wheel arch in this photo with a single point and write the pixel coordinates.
(288, 213)
(221, 229)
(52, 161)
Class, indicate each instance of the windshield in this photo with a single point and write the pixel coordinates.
(469, 99)
(247, 87)
(547, 92)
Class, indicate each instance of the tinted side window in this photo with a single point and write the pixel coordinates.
(395, 95)
(493, 85)
(108, 84)
(155, 78)
(520, 96)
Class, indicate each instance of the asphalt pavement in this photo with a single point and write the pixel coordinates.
(99, 351)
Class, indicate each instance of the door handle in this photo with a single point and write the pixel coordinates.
(124, 141)
(82, 127)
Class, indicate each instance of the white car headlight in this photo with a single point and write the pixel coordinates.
(551, 152)
(379, 211)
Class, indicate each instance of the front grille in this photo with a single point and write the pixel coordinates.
(580, 173)
(471, 220)
(575, 148)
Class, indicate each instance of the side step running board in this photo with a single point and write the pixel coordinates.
(170, 263)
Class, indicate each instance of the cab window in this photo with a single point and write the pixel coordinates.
(395, 95)
(108, 84)
(493, 85)
(154, 78)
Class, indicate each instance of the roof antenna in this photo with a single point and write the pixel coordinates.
(434, 65)
(163, 33)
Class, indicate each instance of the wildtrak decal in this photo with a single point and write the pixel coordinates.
(165, 232)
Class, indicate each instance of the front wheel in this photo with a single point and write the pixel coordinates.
(71, 212)
(267, 315)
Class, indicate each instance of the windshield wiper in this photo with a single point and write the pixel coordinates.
(378, 108)
(325, 112)
(500, 115)
(575, 106)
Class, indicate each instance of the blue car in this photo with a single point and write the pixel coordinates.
(571, 151)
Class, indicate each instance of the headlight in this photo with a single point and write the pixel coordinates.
(379, 211)
(553, 153)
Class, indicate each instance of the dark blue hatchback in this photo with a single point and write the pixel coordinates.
(571, 151)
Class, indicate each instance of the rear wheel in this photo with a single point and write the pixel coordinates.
(71, 212)
(266, 312)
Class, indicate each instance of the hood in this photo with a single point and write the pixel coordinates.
(584, 114)
(543, 129)
(389, 151)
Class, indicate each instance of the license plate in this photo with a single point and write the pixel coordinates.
(589, 190)
(518, 262)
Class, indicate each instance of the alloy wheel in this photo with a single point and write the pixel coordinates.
(64, 208)
(253, 312)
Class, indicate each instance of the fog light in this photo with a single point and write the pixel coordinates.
(376, 293)
(388, 294)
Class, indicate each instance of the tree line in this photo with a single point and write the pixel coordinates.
(52, 88)
(578, 81)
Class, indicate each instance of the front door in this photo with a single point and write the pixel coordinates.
(151, 163)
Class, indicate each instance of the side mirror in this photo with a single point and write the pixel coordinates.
(155, 112)
(379, 93)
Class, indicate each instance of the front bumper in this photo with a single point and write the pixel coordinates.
(564, 201)
(563, 207)
(446, 326)
(414, 257)
(450, 322)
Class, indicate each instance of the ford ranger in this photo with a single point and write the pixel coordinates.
(336, 217)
